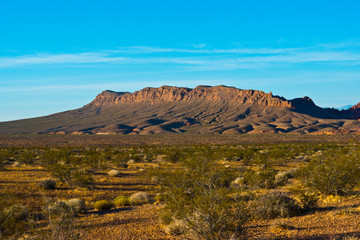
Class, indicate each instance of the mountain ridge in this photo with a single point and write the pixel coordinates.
(203, 109)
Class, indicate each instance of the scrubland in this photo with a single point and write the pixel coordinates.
(305, 189)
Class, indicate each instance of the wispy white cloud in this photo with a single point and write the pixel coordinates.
(58, 59)
(201, 49)
(196, 58)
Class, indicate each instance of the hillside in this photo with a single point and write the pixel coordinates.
(204, 109)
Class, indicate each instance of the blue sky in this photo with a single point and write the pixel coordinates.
(58, 55)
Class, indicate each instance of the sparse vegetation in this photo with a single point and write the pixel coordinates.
(199, 191)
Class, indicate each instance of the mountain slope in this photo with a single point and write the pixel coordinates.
(203, 109)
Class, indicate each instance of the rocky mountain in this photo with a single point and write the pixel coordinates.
(204, 109)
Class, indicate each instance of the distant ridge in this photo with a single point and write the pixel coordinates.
(204, 109)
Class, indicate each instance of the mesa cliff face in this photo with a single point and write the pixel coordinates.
(204, 93)
(202, 110)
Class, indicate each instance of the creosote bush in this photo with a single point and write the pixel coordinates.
(275, 204)
(72, 175)
(62, 221)
(14, 218)
(197, 201)
(262, 178)
(308, 199)
(334, 173)
(27, 157)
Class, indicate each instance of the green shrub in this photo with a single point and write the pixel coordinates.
(121, 201)
(4, 159)
(103, 205)
(139, 198)
(263, 178)
(275, 204)
(27, 157)
(72, 175)
(332, 173)
(308, 199)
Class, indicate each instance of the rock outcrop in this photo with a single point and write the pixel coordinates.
(205, 93)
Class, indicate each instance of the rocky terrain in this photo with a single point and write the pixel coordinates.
(204, 109)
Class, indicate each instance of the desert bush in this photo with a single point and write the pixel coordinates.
(94, 161)
(14, 218)
(139, 198)
(308, 200)
(275, 204)
(103, 205)
(47, 184)
(121, 201)
(174, 155)
(72, 175)
(176, 227)
(62, 221)
(82, 178)
(77, 205)
(54, 156)
(114, 173)
(4, 156)
(282, 178)
(27, 157)
(263, 178)
(332, 173)
(196, 199)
